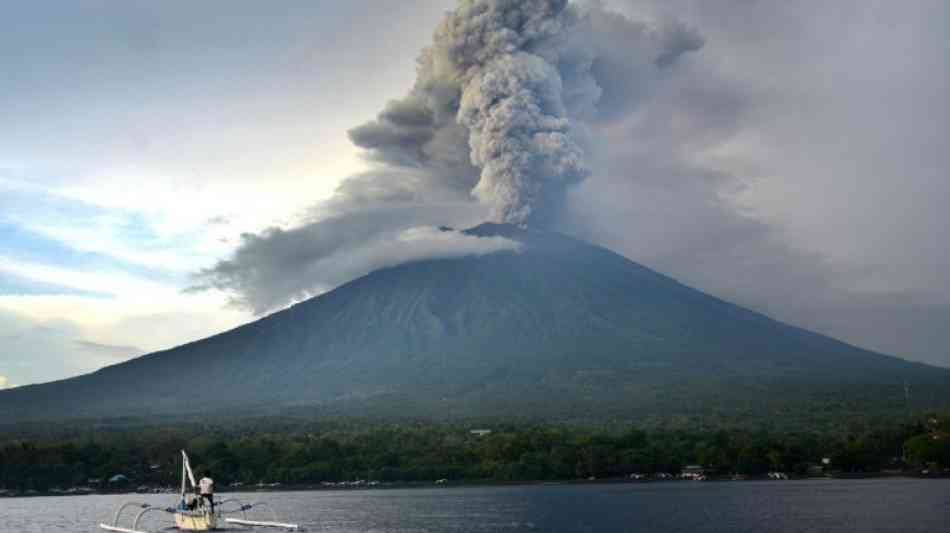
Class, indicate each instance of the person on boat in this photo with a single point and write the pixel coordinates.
(206, 486)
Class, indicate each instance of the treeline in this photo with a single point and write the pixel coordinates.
(425, 452)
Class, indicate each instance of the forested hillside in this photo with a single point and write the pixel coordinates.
(428, 452)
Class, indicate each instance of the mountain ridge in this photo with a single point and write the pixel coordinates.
(561, 329)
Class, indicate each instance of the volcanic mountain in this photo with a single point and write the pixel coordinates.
(558, 329)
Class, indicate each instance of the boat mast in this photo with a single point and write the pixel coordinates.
(186, 473)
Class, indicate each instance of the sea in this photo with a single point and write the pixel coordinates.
(852, 506)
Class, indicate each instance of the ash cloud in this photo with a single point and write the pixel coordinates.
(731, 152)
(503, 94)
(336, 260)
(498, 125)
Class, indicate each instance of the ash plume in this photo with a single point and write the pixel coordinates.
(505, 55)
(499, 124)
(518, 77)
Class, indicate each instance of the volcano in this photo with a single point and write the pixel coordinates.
(557, 330)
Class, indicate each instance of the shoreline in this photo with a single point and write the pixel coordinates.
(356, 486)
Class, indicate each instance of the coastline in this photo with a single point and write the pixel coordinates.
(365, 486)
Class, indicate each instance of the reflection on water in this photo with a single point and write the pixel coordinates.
(902, 505)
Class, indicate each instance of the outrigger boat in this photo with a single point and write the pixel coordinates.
(198, 517)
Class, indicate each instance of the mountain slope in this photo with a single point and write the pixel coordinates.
(560, 329)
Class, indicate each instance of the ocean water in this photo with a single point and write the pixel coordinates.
(892, 505)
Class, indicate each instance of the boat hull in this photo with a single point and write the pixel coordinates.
(186, 521)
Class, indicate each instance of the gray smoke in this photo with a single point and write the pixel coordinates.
(505, 56)
(516, 81)
(499, 123)
(335, 251)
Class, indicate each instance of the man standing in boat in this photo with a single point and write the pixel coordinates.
(206, 486)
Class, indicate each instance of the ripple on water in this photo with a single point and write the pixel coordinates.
(853, 506)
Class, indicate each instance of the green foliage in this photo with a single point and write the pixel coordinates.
(426, 452)
(931, 447)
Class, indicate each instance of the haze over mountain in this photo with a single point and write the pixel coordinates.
(553, 328)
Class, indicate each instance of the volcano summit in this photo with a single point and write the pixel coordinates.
(555, 329)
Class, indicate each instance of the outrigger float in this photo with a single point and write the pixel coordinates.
(200, 517)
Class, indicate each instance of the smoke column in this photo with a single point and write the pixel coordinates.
(511, 100)
(517, 82)
(494, 71)
(507, 102)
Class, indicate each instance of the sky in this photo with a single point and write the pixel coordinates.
(169, 170)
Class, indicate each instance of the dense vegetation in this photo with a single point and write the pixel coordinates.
(425, 452)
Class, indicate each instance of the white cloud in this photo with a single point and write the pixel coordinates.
(103, 282)
(150, 322)
(4, 383)
(52, 337)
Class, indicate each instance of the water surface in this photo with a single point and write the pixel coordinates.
(892, 505)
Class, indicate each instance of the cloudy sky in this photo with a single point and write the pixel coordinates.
(172, 169)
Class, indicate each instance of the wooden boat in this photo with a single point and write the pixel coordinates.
(197, 517)
(201, 518)
(196, 520)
